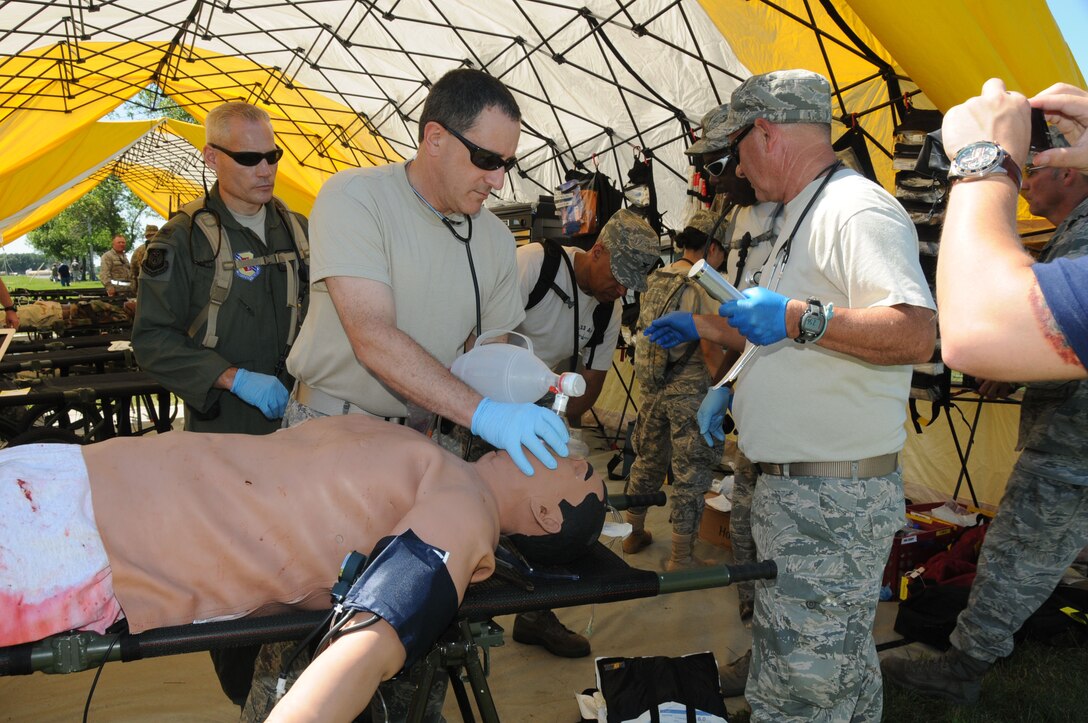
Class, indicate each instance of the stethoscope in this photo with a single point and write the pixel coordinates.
(777, 270)
(783, 255)
(464, 240)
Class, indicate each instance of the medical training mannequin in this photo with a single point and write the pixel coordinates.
(188, 527)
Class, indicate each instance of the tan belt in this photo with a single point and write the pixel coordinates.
(319, 401)
(879, 466)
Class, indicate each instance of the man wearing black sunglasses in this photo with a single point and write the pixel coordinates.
(407, 265)
(225, 356)
(749, 230)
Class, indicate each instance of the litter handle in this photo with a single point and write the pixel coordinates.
(766, 570)
(715, 576)
(624, 502)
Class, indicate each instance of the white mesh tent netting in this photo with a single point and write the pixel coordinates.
(345, 80)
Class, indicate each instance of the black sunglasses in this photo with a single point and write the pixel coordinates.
(717, 168)
(482, 158)
(251, 158)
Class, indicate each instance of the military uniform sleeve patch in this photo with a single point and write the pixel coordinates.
(157, 263)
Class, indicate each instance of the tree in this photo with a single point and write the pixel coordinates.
(151, 103)
(90, 223)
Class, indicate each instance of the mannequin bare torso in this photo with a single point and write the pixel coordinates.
(267, 521)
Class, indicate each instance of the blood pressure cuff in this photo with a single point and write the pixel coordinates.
(407, 585)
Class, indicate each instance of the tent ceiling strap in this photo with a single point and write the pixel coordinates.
(813, 27)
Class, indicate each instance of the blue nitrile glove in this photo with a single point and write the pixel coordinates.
(671, 329)
(263, 391)
(711, 414)
(760, 317)
(510, 426)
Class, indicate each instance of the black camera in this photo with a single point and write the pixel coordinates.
(1040, 135)
(933, 161)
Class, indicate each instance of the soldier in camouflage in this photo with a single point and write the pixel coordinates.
(821, 406)
(673, 382)
(1042, 522)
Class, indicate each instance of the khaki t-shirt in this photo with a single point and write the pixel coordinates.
(367, 223)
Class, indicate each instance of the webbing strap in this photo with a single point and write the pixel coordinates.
(226, 265)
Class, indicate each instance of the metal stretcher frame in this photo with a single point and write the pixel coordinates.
(111, 393)
(19, 346)
(63, 359)
(602, 578)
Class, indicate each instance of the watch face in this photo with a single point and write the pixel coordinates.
(977, 157)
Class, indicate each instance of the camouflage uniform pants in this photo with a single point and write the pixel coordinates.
(394, 696)
(1040, 527)
(740, 520)
(813, 654)
(666, 426)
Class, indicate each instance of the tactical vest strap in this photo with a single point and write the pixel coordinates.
(225, 265)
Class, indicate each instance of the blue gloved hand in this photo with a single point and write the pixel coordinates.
(510, 426)
(760, 317)
(711, 414)
(263, 391)
(671, 329)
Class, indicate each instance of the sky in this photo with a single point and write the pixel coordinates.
(1071, 17)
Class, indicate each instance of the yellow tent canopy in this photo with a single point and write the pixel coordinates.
(344, 84)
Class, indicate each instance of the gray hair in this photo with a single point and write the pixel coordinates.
(217, 122)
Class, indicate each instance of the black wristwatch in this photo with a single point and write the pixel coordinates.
(814, 321)
(9, 308)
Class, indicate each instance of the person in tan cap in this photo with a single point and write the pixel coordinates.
(139, 254)
(841, 311)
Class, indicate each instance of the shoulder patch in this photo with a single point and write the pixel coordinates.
(156, 263)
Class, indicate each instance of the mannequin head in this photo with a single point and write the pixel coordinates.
(553, 516)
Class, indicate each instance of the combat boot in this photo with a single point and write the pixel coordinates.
(542, 627)
(734, 676)
(954, 676)
(682, 557)
(639, 539)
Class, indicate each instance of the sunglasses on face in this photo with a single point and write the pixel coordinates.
(717, 168)
(482, 158)
(251, 158)
(734, 145)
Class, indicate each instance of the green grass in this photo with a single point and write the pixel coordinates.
(1036, 684)
(37, 283)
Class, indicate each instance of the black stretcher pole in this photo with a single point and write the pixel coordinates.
(623, 502)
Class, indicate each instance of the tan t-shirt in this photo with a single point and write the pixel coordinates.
(856, 248)
(367, 223)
